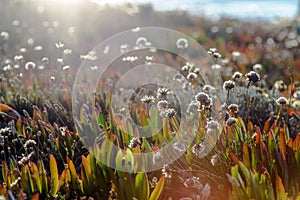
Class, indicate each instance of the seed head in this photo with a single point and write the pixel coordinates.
(214, 53)
(228, 85)
(4, 35)
(30, 65)
(198, 149)
(165, 172)
(185, 68)
(170, 112)
(212, 50)
(5, 131)
(179, 146)
(230, 121)
(216, 66)
(66, 67)
(163, 104)
(191, 76)
(296, 104)
(208, 88)
(59, 45)
(60, 61)
(203, 99)
(179, 78)
(193, 107)
(217, 55)
(233, 108)
(212, 124)
(297, 95)
(257, 68)
(235, 54)
(18, 58)
(214, 159)
(134, 142)
(147, 99)
(280, 85)
(281, 101)
(29, 143)
(163, 92)
(237, 76)
(196, 70)
(45, 60)
(113, 194)
(253, 77)
(67, 51)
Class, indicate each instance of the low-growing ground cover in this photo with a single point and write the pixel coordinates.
(254, 115)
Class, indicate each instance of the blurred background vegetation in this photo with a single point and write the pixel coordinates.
(42, 44)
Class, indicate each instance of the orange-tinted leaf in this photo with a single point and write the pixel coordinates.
(228, 131)
(290, 143)
(65, 180)
(280, 189)
(35, 196)
(267, 126)
(290, 111)
(250, 127)
(258, 135)
(155, 148)
(233, 157)
(282, 144)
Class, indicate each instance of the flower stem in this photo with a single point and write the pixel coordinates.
(227, 101)
(247, 102)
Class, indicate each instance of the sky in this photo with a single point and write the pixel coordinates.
(238, 8)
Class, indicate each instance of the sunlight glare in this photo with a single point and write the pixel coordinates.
(65, 1)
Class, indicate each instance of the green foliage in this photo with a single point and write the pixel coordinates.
(269, 169)
(54, 177)
(158, 189)
(94, 181)
(44, 156)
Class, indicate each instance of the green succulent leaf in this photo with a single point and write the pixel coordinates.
(76, 182)
(125, 161)
(142, 188)
(43, 177)
(36, 177)
(86, 175)
(4, 171)
(245, 172)
(54, 183)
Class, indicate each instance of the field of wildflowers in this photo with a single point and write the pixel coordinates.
(255, 115)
